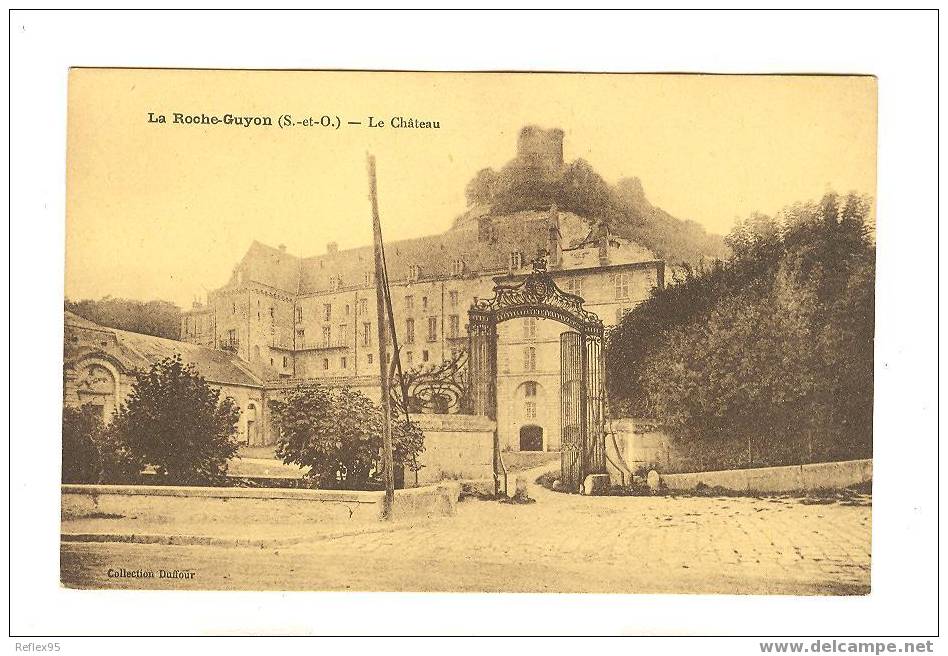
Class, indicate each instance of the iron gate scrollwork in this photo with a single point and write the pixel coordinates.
(442, 388)
(581, 371)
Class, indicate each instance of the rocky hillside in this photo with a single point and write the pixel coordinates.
(578, 188)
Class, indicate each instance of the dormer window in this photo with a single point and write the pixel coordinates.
(335, 282)
(414, 272)
(459, 267)
(516, 260)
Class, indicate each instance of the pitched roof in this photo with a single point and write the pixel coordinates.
(271, 266)
(527, 232)
(138, 351)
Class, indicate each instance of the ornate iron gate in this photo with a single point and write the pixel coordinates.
(572, 442)
(581, 370)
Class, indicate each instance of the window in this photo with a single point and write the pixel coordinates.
(300, 334)
(424, 303)
(233, 308)
(453, 296)
(327, 335)
(574, 285)
(530, 328)
(343, 362)
(327, 312)
(335, 282)
(454, 325)
(458, 267)
(369, 358)
(414, 272)
(365, 277)
(409, 331)
(272, 313)
(621, 313)
(232, 336)
(530, 389)
(409, 357)
(347, 309)
(409, 303)
(622, 285)
(432, 329)
(516, 260)
(424, 356)
(343, 336)
(299, 314)
(530, 358)
(366, 334)
(325, 363)
(271, 362)
(363, 306)
(530, 410)
(284, 362)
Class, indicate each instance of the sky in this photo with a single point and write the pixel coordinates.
(165, 211)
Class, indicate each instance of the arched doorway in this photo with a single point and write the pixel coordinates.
(531, 438)
(583, 449)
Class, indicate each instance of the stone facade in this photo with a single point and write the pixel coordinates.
(99, 366)
(291, 318)
(327, 330)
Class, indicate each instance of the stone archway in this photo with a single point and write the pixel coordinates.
(97, 385)
(582, 367)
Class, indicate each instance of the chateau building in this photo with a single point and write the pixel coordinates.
(289, 318)
(99, 366)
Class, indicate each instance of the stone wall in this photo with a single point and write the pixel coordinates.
(793, 478)
(640, 445)
(194, 505)
(456, 447)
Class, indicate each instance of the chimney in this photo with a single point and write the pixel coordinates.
(554, 244)
(332, 247)
(604, 247)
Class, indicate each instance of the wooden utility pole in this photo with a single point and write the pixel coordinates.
(388, 462)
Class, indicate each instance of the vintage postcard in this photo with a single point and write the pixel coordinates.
(468, 332)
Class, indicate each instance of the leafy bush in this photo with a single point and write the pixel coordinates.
(766, 359)
(176, 422)
(81, 461)
(338, 435)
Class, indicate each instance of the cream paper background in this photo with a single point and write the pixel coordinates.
(898, 48)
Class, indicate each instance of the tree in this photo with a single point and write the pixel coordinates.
(767, 358)
(158, 318)
(338, 435)
(176, 422)
(81, 461)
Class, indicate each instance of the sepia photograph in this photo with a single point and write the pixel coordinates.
(444, 325)
(318, 338)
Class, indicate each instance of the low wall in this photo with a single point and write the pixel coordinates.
(261, 505)
(640, 445)
(793, 478)
(456, 447)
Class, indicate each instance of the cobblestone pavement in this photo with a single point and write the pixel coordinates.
(561, 543)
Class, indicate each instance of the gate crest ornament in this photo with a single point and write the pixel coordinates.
(536, 296)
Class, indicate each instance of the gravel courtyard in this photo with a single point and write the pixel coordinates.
(561, 543)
